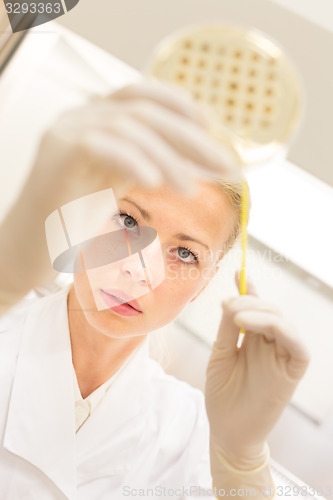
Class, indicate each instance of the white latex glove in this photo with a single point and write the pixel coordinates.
(144, 134)
(247, 389)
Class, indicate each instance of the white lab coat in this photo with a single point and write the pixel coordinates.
(149, 431)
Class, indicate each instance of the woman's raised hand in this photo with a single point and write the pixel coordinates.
(146, 134)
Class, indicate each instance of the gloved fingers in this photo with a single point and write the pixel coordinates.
(184, 136)
(266, 334)
(227, 336)
(250, 303)
(228, 333)
(188, 139)
(170, 98)
(120, 159)
(174, 169)
(251, 289)
(285, 336)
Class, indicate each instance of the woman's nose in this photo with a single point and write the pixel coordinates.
(133, 268)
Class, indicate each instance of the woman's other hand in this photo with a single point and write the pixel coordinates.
(248, 388)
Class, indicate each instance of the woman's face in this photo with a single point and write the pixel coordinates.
(192, 232)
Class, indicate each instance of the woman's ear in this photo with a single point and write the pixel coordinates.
(202, 289)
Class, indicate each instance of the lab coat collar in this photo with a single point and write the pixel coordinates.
(107, 440)
(41, 420)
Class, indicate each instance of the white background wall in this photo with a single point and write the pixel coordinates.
(316, 11)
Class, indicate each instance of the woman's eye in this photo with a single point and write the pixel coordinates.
(183, 253)
(187, 256)
(127, 221)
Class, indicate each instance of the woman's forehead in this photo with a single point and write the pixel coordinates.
(207, 211)
(207, 196)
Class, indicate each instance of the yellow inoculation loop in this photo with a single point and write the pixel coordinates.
(244, 221)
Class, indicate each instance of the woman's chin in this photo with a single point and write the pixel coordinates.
(114, 325)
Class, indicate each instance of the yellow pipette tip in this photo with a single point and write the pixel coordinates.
(244, 221)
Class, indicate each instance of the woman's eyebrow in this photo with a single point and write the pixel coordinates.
(179, 236)
(186, 237)
(144, 212)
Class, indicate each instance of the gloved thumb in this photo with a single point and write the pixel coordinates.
(227, 336)
(251, 289)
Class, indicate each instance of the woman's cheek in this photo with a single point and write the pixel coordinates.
(83, 291)
(178, 287)
(180, 271)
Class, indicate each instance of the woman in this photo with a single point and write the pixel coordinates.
(84, 412)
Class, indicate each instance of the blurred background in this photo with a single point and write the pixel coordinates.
(101, 45)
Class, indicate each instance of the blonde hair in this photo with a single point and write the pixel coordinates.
(233, 192)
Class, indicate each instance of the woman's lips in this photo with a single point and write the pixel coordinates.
(120, 302)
